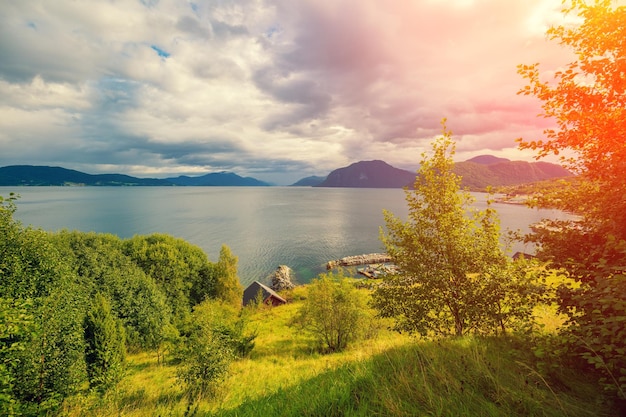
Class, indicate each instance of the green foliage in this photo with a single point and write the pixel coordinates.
(49, 363)
(390, 375)
(105, 345)
(511, 295)
(334, 312)
(177, 266)
(30, 265)
(227, 285)
(597, 328)
(455, 276)
(237, 336)
(53, 340)
(228, 323)
(454, 377)
(588, 104)
(16, 325)
(135, 298)
(207, 352)
(53, 366)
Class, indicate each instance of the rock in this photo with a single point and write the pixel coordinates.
(282, 278)
(371, 258)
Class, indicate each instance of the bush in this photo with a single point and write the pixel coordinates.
(206, 353)
(334, 312)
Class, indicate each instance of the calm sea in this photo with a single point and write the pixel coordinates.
(300, 227)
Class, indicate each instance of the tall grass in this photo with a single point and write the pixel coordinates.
(389, 375)
(456, 377)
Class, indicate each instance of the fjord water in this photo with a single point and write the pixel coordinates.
(301, 227)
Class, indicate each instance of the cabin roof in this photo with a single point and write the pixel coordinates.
(250, 293)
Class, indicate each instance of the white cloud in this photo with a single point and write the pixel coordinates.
(275, 89)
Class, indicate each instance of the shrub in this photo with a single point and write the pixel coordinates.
(334, 312)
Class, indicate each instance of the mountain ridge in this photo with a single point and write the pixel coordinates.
(369, 174)
(477, 174)
(217, 179)
(42, 175)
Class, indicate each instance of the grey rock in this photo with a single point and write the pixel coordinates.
(282, 278)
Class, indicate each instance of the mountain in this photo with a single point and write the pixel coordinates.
(369, 174)
(477, 176)
(219, 179)
(17, 175)
(312, 181)
(487, 159)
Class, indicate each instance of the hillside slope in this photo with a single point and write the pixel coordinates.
(18, 175)
(478, 176)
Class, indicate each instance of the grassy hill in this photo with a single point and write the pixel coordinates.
(477, 176)
(389, 375)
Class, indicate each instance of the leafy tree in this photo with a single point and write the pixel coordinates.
(587, 100)
(50, 363)
(16, 326)
(334, 312)
(175, 265)
(227, 285)
(135, 298)
(105, 345)
(229, 323)
(209, 348)
(455, 276)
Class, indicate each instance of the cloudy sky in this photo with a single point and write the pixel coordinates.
(273, 89)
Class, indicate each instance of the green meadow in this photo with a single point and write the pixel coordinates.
(390, 374)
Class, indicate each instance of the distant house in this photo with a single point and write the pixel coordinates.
(522, 255)
(269, 296)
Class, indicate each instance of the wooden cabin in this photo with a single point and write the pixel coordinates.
(268, 295)
(522, 255)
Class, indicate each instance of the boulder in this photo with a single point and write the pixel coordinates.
(282, 278)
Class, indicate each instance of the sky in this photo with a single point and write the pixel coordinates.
(273, 89)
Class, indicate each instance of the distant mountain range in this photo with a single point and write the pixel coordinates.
(18, 175)
(219, 179)
(309, 181)
(477, 174)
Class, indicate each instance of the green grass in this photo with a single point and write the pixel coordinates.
(390, 375)
(455, 377)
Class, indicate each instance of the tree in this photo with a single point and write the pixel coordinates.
(209, 348)
(334, 312)
(105, 345)
(16, 325)
(175, 265)
(34, 276)
(227, 285)
(135, 298)
(450, 256)
(587, 100)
